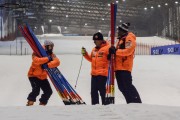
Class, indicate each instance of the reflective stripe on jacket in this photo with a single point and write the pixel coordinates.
(99, 61)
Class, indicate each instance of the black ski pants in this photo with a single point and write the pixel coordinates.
(38, 84)
(98, 84)
(124, 81)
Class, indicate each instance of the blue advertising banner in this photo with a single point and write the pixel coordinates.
(169, 49)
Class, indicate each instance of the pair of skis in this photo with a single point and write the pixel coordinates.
(110, 80)
(66, 92)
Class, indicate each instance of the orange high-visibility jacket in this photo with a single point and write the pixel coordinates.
(98, 59)
(36, 69)
(124, 57)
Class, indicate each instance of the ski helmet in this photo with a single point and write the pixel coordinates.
(48, 42)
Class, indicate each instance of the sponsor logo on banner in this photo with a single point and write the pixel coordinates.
(169, 49)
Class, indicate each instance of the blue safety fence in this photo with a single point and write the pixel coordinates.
(168, 49)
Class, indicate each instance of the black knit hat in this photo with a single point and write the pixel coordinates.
(98, 36)
(124, 27)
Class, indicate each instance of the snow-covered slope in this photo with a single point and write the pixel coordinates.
(156, 78)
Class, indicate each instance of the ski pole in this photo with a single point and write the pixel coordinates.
(79, 71)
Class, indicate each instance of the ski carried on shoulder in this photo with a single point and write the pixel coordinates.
(68, 95)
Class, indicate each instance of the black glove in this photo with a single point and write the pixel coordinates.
(109, 57)
(44, 66)
(50, 58)
(112, 50)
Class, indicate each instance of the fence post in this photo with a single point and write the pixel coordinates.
(10, 49)
(25, 51)
(21, 47)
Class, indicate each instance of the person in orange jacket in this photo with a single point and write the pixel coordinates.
(124, 55)
(99, 68)
(38, 76)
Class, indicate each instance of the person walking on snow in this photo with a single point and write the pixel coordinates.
(38, 76)
(124, 55)
(99, 68)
